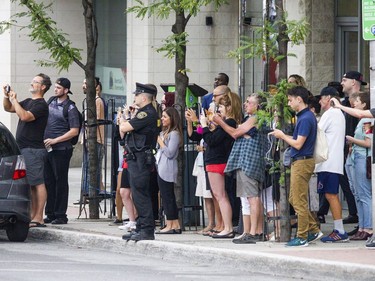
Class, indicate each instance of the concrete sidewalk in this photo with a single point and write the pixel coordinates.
(349, 261)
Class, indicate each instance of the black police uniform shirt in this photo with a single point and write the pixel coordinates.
(145, 128)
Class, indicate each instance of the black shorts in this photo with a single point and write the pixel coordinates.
(125, 179)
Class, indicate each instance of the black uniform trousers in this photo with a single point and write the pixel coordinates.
(139, 178)
(56, 180)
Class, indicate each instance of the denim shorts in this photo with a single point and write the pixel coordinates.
(34, 160)
(328, 182)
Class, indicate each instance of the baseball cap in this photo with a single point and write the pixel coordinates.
(337, 85)
(64, 82)
(329, 91)
(356, 76)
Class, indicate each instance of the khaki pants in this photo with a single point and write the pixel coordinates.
(301, 172)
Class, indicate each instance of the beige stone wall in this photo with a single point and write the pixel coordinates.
(315, 59)
(206, 51)
(320, 53)
(296, 65)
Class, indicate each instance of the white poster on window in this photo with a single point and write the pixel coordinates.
(113, 80)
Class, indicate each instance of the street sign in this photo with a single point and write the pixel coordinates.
(368, 19)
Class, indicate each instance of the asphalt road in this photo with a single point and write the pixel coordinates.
(40, 260)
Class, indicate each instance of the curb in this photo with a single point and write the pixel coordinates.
(256, 262)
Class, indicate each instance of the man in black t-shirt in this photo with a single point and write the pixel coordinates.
(33, 116)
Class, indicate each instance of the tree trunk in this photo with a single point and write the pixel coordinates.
(91, 39)
(182, 82)
(282, 39)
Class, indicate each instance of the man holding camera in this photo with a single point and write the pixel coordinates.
(33, 115)
(141, 134)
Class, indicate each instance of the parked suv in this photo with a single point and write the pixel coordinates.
(14, 189)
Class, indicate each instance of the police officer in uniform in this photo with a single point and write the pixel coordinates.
(141, 134)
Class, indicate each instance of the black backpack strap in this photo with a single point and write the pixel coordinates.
(51, 99)
(66, 108)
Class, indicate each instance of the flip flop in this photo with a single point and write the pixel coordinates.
(36, 224)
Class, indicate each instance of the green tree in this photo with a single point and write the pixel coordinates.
(45, 33)
(272, 39)
(175, 46)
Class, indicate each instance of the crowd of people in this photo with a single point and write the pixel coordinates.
(231, 161)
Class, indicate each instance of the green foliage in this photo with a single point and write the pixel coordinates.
(282, 176)
(44, 31)
(265, 42)
(276, 168)
(162, 9)
(275, 108)
(174, 44)
(5, 25)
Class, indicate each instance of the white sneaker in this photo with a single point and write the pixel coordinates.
(128, 226)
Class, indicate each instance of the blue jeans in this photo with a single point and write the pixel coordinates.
(363, 192)
(349, 168)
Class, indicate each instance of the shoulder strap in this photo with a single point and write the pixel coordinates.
(51, 99)
(66, 108)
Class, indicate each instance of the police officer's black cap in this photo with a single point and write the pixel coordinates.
(142, 88)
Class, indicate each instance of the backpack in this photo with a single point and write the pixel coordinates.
(73, 140)
(321, 146)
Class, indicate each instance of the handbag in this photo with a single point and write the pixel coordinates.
(368, 165)
(321, 146)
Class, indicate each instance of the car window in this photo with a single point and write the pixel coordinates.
(8, 144)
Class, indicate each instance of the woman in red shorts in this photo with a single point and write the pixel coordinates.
(219, 144)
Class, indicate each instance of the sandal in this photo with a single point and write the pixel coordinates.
(36, 224)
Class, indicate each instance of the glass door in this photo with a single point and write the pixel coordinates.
(347, 50)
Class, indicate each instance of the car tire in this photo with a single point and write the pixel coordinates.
(17, 232)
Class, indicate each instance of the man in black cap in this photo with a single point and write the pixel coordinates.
(351, 83)
(332, 123)
(63, 125)
(141, 134)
